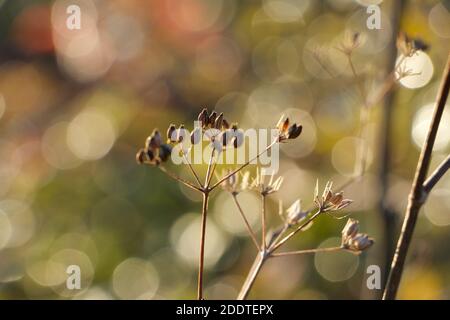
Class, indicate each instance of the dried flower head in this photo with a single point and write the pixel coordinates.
(213, 120)
(408, 46)
(295, 213)
(235, 183)
(259, 183)
(350, 229)
(286, 131)
(351, 41)
(155, 151)
(354, 241)
(330, 201)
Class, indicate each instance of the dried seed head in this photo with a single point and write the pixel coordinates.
(203, 117)
(330, 201)
(264, 188)
(150, 155)
(362, 242)
(419, 44)
(295, 213)
(350, 229)
(154, 141)
(196, 135)
(181, 133)
(287, 132)
(218, 121)
(212, 118)
(351, 41)
(354, 241)
(294, 131)
(140, 156)
(225, 124)
(171, 133)
(164, 152)
(408, 46)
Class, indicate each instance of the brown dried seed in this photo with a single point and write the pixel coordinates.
(212, 118)
(218, 122)
(140, 156)
(164, 152)
(203, 117)
(196, 135)
(171, 133)
(180, 133)
(150, 154)
(294, 131)
(225, 124)
(285, 125)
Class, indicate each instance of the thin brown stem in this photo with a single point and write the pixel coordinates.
(275, 246)
(212, 173)
(247, 224)
(436, 175)
(192, 170)
(292, 253)
(263, 221)
(202, 246)
(208, 171)
(177, 178)
(417, 194)
(254, 271)
(243, 166)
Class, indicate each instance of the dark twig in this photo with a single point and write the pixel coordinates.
(417, 194)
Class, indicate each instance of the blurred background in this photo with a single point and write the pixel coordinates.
(76, 105)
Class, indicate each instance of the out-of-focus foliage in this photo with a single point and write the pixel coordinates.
(75, 105)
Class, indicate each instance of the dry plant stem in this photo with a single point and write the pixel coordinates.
(243, 166)
(247, 224)
(266, 254)
(263, 221)
(251, 277)
(294, 232)
(177, 178)
(205, 191)
(436, 175)
(192, 170)
(292, 253)
(360, 166)
(387, 214)
(417, 194)
(209, 171)
(202, 246)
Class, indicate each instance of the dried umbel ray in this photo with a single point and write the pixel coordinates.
(221, 133)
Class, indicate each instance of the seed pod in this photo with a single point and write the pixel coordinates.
(419, 44)
(218, 122)
(140, 156)
(157, 137)
(294, 131)
(238, 138)
(225, 124)
(350, 229)
(283, 125)
(203, 117)
(196, 135)
(224, 138)
(362, 241)
(150, 154)
(171, 135)
(164, 152)
(181, 133)
(212, 118)
(151, 143)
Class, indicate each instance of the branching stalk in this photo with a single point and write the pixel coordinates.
(417, 194)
